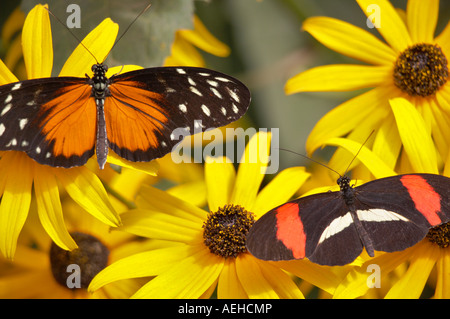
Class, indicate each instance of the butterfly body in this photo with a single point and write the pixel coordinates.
(388, 214)
(63, 121)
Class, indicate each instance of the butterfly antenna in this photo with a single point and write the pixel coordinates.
(73, 34)
(312, 160)
(129, 26)
(356, 155)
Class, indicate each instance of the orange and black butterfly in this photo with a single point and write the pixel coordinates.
(63, 121)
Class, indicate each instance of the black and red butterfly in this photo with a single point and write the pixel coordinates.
(63, 121)
(388, 214)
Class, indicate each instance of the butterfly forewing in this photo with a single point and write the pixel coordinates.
(151, 110)
(51, 119)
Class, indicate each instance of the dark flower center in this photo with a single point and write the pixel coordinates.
(225, 230)
(421, 70)
(440, 235)
(76, 268)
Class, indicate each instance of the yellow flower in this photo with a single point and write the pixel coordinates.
(207, 251)
(41, 269)
(412, 64)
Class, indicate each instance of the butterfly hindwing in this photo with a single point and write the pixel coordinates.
(151, 110)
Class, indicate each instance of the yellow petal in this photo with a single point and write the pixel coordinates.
(252, 167)
(37, 43)
(192, 192)
(422, 17)
(6, 76)
(443, 273)
(411, 284)
(387, 143)
(158, 200)
(343, 77)
(229, 286)
(281, 282)
(184, 53)
(13, 23)
(203, 39)
(220, 178)
(50, 209)
(376, 165)
(86, 189)
(144, 264)
(252, 279)
(443, 39)
(355, 285)
(16, 199)
(321, 276)
(346, 117)
(416, 139)
(150, 168)
(162, 226)
(391, 25)
(349, 40)
(93, 49)
(280, 189)
(204, 270)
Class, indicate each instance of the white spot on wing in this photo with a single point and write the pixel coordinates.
(233, 95)
(191, 82)
(22, 123)
(212, 83)
(16, 86)
(206, 110)
(194, 90)
(2, 129)
(8, 98)
(336, 226)
(183, 108)
(221, 79)
(216, 93)
(6, 109)
(379, 215)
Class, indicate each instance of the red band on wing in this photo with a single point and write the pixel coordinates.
(290, 229)
(425, 198)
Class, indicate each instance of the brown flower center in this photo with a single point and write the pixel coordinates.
(225, 231)
(76, 268)
(421, 70)
(440, 235)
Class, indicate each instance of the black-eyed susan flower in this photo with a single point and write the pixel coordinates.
(207, 250)
(41, 269)
(411, 64)
(20, 176)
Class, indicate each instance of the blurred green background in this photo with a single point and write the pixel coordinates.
(268, 47)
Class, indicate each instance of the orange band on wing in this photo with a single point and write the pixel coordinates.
(133, 115)
(69, 121)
